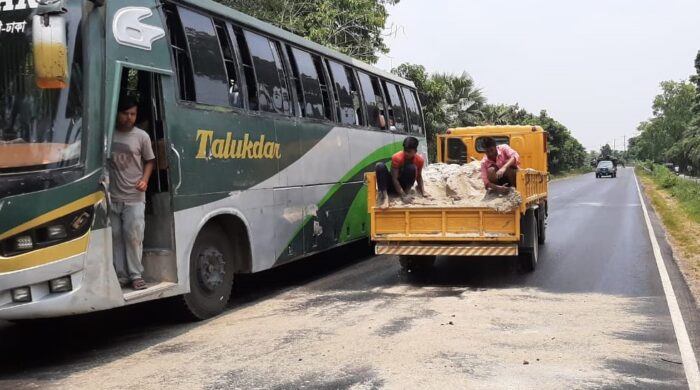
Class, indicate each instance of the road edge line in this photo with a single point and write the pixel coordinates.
(690, 364)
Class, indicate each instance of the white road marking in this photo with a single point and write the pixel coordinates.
(690, 364)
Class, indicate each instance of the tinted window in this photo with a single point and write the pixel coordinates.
(415, 120)
(397, 116)
(178, 44)
(234, 85)
(210, 81)
(345, 105)
(325, 88)
(456, 151)
(312, 106)
(499, 141)
(272, 92)
(374, 101)
(248, 72)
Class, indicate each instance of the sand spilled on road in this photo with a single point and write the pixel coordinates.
(452, 185)
(402, 337)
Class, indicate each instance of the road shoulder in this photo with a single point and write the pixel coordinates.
(687, 302)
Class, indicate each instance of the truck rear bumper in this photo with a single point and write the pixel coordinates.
(447, 250)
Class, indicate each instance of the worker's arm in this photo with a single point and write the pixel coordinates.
(513, 158)
(142, 184)
(397, 185)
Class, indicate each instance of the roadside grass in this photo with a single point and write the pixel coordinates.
(679, 211)
(571, 173)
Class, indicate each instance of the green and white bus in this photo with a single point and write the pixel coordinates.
(261, 140)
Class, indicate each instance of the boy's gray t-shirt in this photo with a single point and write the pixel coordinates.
(130, 150)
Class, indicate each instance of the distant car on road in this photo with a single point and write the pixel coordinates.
(605, 168)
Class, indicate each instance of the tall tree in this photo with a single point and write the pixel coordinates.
(354, 27)
(448, 100)
(606, 151)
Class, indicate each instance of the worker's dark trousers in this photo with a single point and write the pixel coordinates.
(407, 177)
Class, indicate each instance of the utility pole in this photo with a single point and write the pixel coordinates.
(624, 145)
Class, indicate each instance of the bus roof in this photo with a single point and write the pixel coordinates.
(249, 21)
(495, 130)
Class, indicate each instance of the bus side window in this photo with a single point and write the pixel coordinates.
(178, 45)
(250, 82)
(300, 107)
(234, 86)
(396, 106)
(346, 110)
(272, 91)
(276, 48)
(310, 84)
(374, 101)
(325, 88)
(355, 94)
(210, 80)
(414, 118)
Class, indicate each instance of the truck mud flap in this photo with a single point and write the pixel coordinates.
(448, 250)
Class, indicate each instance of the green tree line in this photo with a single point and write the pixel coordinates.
(452, 100)
(672, 134)
(357, 28)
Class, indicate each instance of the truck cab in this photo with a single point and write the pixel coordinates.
(463, 145)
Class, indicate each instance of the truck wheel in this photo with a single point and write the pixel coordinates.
(416, 262)
(541, 229)
(211, 274)
(529, 251)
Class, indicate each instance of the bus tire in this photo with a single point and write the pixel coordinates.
(529, 251)
(211, 274)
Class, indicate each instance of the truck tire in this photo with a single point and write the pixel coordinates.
(541, 227)
(416, 262)
(529, 250)
(211, 274)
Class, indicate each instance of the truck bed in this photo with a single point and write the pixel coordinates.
(474, 230)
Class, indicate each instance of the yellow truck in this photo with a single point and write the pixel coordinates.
(419, 234)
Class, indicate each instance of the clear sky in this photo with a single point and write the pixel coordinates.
(594, 65)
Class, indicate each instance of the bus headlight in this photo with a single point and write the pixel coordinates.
(21, 295)
(54, 232)
(23, 243)
(60, 285)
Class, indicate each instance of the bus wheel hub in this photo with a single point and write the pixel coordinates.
(211, 268)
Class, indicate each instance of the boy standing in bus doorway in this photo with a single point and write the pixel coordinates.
(499, 166)
(130, 168)
(406, 170)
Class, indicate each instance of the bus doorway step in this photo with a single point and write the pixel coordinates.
(131, 295)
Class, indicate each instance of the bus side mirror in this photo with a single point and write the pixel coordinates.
(50, 49)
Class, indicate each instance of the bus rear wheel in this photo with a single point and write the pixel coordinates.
(211, 274)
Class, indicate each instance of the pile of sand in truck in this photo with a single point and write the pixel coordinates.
(451, 185)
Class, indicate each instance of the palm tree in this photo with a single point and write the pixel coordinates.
(462, 101)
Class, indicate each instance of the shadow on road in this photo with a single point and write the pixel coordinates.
(471, 273)
(56, 348)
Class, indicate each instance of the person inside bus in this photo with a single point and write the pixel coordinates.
(406, 170)
(130, 168)
(499, 166)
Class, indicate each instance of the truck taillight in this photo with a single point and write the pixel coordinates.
(544, 135)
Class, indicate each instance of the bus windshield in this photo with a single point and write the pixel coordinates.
(40, 129)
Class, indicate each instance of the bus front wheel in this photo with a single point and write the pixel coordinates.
(211, 274)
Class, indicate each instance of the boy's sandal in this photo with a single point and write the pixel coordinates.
(138, 284)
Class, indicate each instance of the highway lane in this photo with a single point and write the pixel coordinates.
(593, 315)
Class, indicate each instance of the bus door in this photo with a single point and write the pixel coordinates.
(159, 245)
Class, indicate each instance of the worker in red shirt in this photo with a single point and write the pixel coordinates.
(499, 167)
(406, 170)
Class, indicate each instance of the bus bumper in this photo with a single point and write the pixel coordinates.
(94, 285)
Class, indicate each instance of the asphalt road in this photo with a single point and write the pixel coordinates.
(593, 315)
